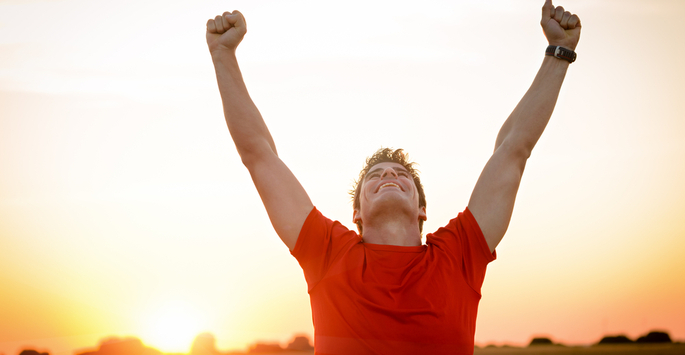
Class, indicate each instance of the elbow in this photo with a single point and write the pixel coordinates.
(515, 150)
(248, 160)
(253, 154)
(515, 145)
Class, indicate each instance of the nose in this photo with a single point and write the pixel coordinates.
(389, 173)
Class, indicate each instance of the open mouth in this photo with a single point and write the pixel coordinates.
(389, 184)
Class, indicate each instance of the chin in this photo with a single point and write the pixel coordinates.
(394, 205)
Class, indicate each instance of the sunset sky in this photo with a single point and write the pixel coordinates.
(125, 210)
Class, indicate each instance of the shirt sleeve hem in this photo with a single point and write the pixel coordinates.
(303, 231)
(483, 244)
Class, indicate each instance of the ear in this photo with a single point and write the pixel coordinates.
(356, 216)
(422, 213)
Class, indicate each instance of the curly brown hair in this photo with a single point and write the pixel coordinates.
(388, 155)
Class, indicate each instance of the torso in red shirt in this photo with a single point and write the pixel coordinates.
(387, 299)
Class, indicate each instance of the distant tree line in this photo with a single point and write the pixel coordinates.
(650, 338)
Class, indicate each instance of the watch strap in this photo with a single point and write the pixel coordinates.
(561, 53)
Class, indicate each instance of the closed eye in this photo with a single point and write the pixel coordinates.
(376, 173)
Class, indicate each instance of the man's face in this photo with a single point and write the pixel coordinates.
(389, 187)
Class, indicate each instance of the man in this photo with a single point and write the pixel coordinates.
(381, 291)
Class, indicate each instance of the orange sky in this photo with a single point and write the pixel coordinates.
(124, 209)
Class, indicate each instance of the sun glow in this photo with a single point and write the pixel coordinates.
(172, 327)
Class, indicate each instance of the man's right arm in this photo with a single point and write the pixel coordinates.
(285, 200)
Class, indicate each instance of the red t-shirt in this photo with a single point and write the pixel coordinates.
(388, 299)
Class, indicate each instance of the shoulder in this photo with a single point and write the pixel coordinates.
(462, 235)
(322, 243)
(317, 224)
(319, 231)
(464, 224)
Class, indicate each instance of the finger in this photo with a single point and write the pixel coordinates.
(564, 19)
(229, 17)
(211, 27)
(225, 23)
(219, 24)
(547, 10)
(573, 21)
(236, 18)
(558, 13)
(226, 18)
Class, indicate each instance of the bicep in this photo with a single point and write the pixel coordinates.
(284, 198)
(492, 199)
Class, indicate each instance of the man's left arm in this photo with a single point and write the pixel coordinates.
(492, 199)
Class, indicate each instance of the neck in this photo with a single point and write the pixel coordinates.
(393, 232)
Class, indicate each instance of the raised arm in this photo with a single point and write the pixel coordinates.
(492, 200)
(286, 202)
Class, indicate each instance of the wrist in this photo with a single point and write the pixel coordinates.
(222, 53)
(561, 52)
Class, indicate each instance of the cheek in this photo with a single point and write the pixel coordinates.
(361, 195)
(364, 193)
(416, 192)
(364, 196)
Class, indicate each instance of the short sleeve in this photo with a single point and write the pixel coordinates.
(463, 239)
(320, 242)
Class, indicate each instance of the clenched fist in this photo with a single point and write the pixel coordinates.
(560, 27)
(226, 31)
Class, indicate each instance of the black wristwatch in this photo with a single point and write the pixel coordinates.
(561, 53)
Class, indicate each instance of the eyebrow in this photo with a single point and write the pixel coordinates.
(396, 168)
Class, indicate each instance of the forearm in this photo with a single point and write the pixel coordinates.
(493, 197)
(246, 125)
(528, 120)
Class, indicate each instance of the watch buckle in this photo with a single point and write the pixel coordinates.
(558, 52)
